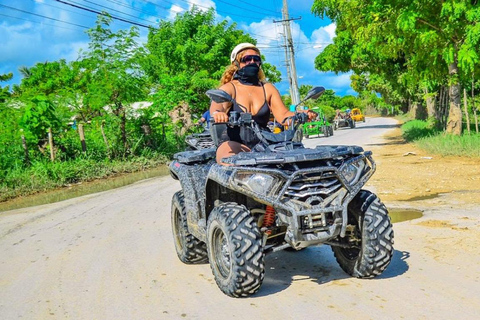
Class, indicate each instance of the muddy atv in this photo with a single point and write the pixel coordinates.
(281, 195)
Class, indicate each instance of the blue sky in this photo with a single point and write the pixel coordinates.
(34, 31)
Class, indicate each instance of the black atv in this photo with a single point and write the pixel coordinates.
(198, 141)
(281, 195)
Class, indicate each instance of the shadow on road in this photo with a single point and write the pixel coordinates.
(318, 265)
(377, 126)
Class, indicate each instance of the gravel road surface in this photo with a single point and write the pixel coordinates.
(110, 255)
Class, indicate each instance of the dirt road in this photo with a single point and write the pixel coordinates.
(110, 255)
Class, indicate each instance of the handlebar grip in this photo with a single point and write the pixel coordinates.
(301, 117)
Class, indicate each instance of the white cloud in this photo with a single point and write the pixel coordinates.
(174, 10)
(271, 42)
(202, 4)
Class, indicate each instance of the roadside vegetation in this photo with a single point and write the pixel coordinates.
(123, 106)
(427, 137)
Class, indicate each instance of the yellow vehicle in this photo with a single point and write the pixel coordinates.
(357, 115)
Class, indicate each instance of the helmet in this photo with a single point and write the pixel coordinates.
(241, 47)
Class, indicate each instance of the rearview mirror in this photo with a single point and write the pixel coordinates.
(314, 93)
(219, 96)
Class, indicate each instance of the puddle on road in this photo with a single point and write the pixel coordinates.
(82, 189)
(399, 215)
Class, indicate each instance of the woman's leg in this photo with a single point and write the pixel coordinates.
(228, 149)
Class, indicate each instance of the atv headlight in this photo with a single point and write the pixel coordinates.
(257, 182)
(352, 171)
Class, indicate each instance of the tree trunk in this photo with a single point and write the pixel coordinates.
(82, 138)
(454, 122)
(430, 101)
(466, 109)
(473, 103)
(50, 142)
(123, 131)
(418, 111)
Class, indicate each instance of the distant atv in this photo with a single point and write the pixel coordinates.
(343, 120)
(281, 195)
(199, 140)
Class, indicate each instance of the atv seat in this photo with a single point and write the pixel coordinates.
(283, 136)
(195, 156)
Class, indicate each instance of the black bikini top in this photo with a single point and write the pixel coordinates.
(262, 116)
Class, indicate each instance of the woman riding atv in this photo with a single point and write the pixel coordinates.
(244, 80)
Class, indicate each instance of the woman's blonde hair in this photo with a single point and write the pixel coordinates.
(233, 67)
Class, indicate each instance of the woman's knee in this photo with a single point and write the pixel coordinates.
(228, 149)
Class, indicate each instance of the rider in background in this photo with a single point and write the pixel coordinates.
(244, 80)
(205, 119)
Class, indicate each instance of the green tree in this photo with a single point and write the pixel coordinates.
(111, 73)
(412, 45)
(186, 57)
(5, 91)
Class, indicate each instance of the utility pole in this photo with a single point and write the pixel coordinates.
(290, 54)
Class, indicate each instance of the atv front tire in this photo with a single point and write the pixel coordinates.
(372, 238)
(189, 249)
(235, 250)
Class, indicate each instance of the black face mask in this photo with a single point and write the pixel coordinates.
(248, 74)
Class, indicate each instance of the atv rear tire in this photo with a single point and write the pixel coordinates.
(374, 236)
(330, 128)
(235, 250)
(189, 249)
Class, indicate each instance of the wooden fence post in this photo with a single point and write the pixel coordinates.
(466, 109)
(50, 142)
(474, 108)
(82, 138)
(25, 148)
(105, 138)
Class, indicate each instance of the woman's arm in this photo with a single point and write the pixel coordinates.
(279, 110)
(218, 111)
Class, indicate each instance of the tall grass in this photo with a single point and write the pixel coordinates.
(424, 135)
(46, 175)
(449, 145)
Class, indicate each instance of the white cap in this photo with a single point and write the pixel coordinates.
(241, 47)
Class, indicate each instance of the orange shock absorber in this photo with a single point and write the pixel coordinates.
(269, 218)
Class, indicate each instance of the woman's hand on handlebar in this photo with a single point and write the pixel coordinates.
(220, 116)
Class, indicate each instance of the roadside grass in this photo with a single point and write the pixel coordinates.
(45, 175)
(425, 136)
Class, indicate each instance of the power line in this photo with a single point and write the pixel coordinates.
(218, 11)
(40, 22)
(233, 5)
(133, 8)
(102, 13)
(111, 9)
(39, 15)
(50, 5)
(250, 4)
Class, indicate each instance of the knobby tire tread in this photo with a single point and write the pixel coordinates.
(246, 250)
(191, 250)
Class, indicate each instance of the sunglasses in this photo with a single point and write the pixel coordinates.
(250, 58)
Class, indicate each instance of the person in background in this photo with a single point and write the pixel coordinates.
(245, 81)
(205, 119)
